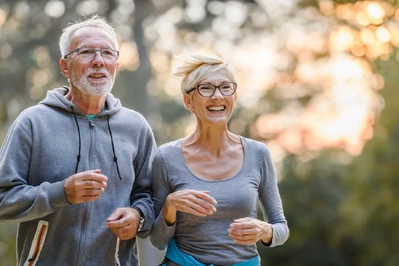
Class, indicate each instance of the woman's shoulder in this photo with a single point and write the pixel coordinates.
(170, 147)
(254, 145)
(168, 152)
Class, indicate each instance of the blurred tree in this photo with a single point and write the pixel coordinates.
(372, 209)
(313, 193)
(342, 210)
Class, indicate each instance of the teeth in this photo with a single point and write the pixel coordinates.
(216, 108)
(96, 75)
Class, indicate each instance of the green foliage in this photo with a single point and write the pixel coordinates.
(346, 214)
(7, 244)
(374, 201)
(313, 193)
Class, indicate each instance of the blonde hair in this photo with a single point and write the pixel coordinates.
(94, 21)
(195, 67)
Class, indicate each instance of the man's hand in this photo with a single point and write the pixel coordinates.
(85, 186)
(124, 222)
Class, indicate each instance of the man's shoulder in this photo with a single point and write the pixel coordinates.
(32, 112)
(132, 113)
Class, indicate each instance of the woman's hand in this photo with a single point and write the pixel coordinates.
(195, 202)
(249, 231)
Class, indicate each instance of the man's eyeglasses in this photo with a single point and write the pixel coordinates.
(208, 90)
(87, 54)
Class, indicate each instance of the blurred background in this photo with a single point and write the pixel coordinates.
(317, 82)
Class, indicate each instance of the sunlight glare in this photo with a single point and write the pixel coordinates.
(126, 7)
(341, 39)
(54, 9)
(40, 78)
(42, 56)
(339, 116)
(346, 12)
(130, 59)
(382, 34)
(88, 7)
(367, 36)
(326, 7)
(3, 17)
(394, 32)
(235, 12)
(362, 18)
(22, 10)
(375, 11)
(358, 49)
(195, 12)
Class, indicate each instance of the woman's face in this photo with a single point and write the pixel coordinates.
(214, 110)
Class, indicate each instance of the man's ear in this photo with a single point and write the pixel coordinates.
(188, 102)
(64, 68)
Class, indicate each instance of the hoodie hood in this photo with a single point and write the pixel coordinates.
(56, 98)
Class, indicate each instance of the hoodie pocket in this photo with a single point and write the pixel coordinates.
(37, 243)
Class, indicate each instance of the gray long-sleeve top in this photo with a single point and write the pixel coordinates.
(207, 238)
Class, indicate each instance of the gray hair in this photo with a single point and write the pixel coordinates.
(195, 67)
(94, 21)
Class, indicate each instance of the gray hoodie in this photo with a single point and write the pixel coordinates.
(41, 150)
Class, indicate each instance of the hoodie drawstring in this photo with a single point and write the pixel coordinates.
(113, 148)
(80, 141)
(80, 144)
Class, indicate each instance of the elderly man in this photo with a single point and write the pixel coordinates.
(75, 169)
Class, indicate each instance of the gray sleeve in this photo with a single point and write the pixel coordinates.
(141, 193)
(270, 201)
(20, 201)
(161, 233)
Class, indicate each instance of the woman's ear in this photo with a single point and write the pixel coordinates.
(188, 102)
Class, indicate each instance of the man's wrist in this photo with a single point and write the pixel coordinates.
(142, 218)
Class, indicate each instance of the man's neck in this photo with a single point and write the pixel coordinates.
(88, 104)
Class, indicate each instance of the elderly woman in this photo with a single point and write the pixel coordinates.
(207, 185)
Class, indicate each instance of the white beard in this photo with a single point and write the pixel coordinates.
(84, 85)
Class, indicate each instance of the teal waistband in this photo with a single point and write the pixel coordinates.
(175, 255)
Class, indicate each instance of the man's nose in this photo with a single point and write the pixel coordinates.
(98, 58)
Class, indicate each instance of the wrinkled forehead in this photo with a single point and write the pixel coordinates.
(92, 37)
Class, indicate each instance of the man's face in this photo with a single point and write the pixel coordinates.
(94, 75)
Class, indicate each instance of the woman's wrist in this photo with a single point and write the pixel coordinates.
(169, 213)
(267, 237)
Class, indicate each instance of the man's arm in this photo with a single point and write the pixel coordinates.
(141, 196)
(20, 201)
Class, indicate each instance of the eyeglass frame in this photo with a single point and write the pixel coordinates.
(216, 87)
(96, 49)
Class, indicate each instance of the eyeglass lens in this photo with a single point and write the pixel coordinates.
(88, 54)
(226, 89)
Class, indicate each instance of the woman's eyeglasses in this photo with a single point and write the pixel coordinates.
(207, 90)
